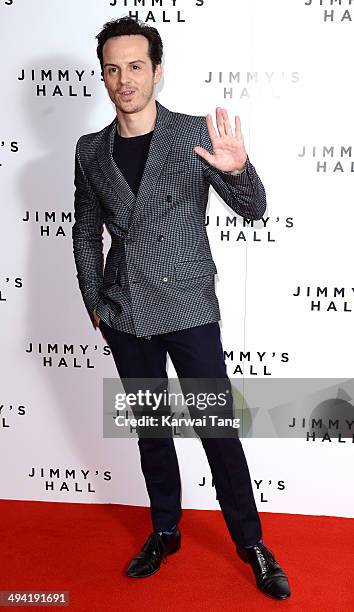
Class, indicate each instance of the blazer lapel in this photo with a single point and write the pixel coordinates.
(110, 168)
(160, 145)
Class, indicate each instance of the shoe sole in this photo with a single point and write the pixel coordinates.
(157, 569)
(272, 596)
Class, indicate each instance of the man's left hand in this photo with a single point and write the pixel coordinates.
(229, 153)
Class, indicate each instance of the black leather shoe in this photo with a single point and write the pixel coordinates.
(270, 578)
(156, 548)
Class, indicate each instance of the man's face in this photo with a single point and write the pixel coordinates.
(128, 72)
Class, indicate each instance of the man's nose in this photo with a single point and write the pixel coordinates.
(124, 76)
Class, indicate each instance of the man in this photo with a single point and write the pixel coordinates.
(146, 176)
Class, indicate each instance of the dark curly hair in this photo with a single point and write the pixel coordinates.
(127, 26)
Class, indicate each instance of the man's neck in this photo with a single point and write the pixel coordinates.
(136, 124)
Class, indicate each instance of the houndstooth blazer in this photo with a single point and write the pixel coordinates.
(159, 271)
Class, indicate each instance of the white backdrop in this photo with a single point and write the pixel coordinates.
(286, 69)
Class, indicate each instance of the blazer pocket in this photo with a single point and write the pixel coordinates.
(193, 268)
(175, 168)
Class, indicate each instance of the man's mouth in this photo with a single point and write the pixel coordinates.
(127, 92)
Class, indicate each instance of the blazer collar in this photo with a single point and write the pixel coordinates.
(160, 145)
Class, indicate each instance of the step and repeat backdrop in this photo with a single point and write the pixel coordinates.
(284, 283)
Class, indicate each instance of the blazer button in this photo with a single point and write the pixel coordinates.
(165, 279)
(169, 198)
(160, 238)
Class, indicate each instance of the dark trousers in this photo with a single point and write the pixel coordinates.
(195, 353)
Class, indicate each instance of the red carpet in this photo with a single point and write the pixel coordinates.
(84, 549)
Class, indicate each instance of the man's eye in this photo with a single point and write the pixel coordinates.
(136, 66)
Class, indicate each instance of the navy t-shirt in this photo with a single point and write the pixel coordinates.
(130, 154)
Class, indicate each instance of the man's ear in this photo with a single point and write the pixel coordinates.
(158, 73)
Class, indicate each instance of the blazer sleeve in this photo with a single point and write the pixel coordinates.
(244, 192)
(87, 236)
